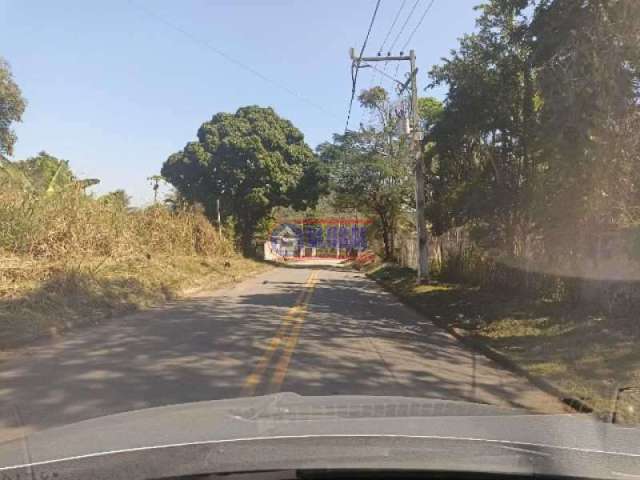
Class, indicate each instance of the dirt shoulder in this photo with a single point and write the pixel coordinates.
(585, 355)
(40, 299)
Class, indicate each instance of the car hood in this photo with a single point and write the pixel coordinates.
(287, 431)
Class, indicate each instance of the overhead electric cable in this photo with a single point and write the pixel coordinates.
(230, 59)
(355, 74)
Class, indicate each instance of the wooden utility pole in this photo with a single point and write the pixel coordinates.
(416, 141)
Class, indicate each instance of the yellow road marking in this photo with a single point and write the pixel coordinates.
(255, 378)
(283, 364)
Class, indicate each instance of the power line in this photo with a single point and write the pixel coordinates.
(395, 74)
(385, 74)
(397, 37)
(386, 37)
(393, 24)
(415, 29)
(404, 25)
(231, 59)
(355, 75)
(418, 24)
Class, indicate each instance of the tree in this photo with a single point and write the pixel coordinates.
(538, 141)
(117, 197)
(429, 112)
(46, 173)
(483, 163)
(42, 174)
(586, 58)
(370, 182)
(12, 107)
(371, 167)
(252, 160)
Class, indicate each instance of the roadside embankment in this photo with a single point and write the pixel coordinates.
(69, 259)
(584, 356)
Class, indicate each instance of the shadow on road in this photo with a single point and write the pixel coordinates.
(356, 339)
(331, 265)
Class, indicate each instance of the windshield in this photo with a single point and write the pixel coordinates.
(218, 200)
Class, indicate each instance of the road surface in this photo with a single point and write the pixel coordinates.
(314, 329)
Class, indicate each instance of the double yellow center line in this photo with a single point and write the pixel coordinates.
(284, 342)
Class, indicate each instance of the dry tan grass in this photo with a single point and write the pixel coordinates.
(73, 225)
(68, 259)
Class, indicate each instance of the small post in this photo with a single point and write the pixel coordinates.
(219, 221)
(338, 239)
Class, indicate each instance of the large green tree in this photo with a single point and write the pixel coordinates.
(252, 161)
(482, 151)
(12, 107)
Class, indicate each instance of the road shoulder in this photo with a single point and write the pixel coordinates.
(90, 296)
(434, 303)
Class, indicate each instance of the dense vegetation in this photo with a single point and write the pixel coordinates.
(532, 161)
(537, 150)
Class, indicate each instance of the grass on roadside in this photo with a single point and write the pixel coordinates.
(68, 258)
(58, 296)
(586, 354)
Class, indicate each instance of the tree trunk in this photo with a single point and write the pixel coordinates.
(247, 229)
(386, 237)
(246, 243)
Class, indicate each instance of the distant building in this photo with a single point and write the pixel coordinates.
(285, 242)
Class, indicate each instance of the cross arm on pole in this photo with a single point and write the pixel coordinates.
(352, 54)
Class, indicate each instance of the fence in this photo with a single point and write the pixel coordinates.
(454, 242)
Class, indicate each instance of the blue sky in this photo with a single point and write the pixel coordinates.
(116, 86)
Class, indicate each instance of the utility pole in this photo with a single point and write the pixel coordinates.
(421, 223)
(416, 138)
(219, 221)
(155, 182)
(338, 239)
(301, 253)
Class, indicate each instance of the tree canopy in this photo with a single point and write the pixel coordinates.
(12, 107)
(43, 173)
(251, 160)
(538, 140)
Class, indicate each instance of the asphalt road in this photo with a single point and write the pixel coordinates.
(314, 329)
